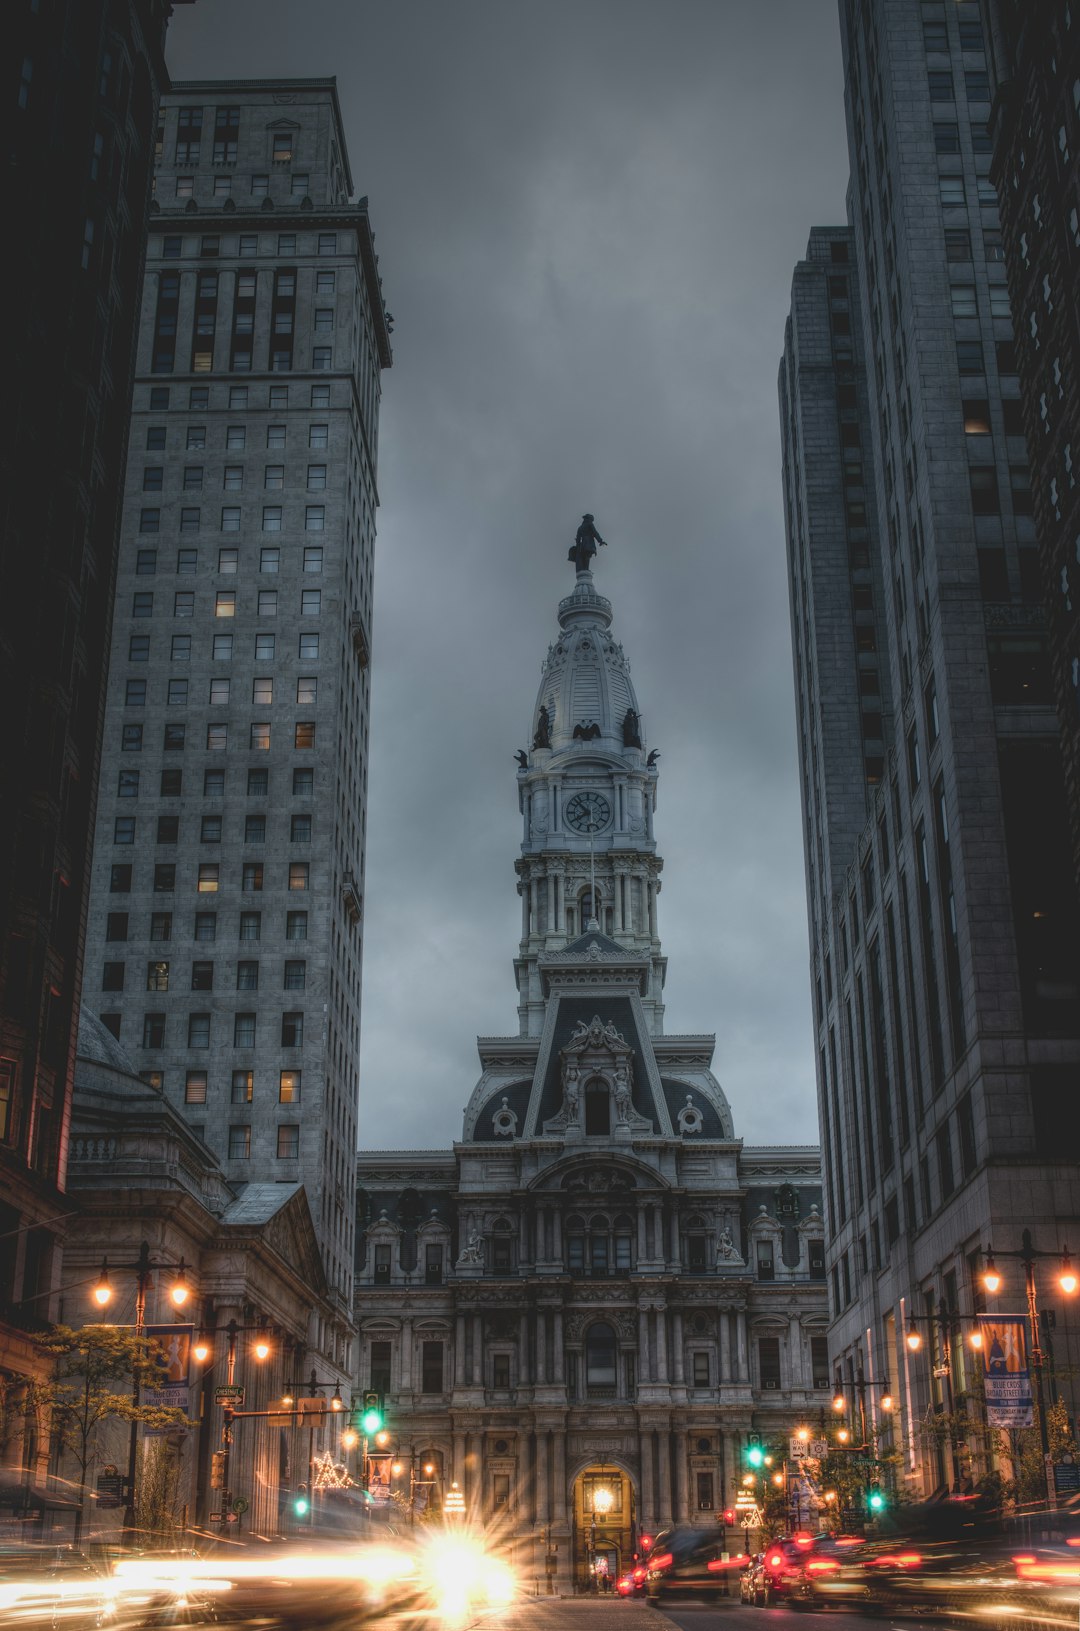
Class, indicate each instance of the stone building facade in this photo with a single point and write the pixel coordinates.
(942, 914)
(1034, 52)
(599, 1285)
(85, 79)
(250, 1256)
(225, 935)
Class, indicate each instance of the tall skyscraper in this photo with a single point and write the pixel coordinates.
(224, 947)
(84, 82)
(943, 922)
(1035, 70)
(599, 1289)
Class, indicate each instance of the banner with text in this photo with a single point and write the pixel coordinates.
(169, 1353)
(1005, 1370)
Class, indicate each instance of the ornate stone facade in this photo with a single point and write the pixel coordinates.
(599, 1283)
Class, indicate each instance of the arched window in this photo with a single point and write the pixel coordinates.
(600, 1357)
(624, 1244)
(502, 1246)
(575, 1245)
(590, 908)
(696, 1255)
(597, 1110)
(598, 1246)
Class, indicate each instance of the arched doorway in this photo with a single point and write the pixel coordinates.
(604, 1528)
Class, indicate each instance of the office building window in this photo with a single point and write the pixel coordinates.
(252, 877)
(160, 925)
(247, 976)
(295, 976)
(250, 925)
(289, 1082)
(205, 925)
(157, 976)
(202, 976)
(239, 1143)
(153, 1031)
(244, 1030)
(292, 1030)
(270, 559)
(112, 977)
(431, 1366)
(299, 872)
(242, 1089)
(296, 925)
(120, 879)
(208, 878)
(288, 1142)
(195, 1087)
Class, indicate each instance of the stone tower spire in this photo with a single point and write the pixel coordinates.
(587, 793)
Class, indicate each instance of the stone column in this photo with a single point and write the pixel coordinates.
(682, 1479)
(744, 1357)
(524, 910)
(459, 1458)
(406, 1356)
(478, 1350)
(543, 1503)
(550, 902)
(674, 1243)
(726, 1372)
(642, 1249)
(524, 1369)
(644, 1373)
(532, 906)
(559, 1367)
(523, 1238)
(459, 1351)
(677, 1374)
(661, 1345)
(731, 1463)
(652, 910)
(541, 1346)
(556, 1234)
(663, 1503)
(649, 1513)
(560, 1475)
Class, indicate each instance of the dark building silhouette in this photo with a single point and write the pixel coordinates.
(1035, 63)
(82, 102)
(943, 921)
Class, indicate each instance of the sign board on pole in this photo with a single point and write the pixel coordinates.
(798, 1448)
(454, 1504)
(230, 1394)
(1006, 1378)
(819, 1449)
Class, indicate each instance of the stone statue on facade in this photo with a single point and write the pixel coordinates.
(542, 738)
(584, 545)
(472, 1251)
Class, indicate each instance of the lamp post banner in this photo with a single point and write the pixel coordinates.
(169, 1353)
(1005, 1370)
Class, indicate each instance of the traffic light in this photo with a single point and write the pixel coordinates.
(876, 1498)
(729, 1515)
(755, 1455)
(371, 1417)
(301, 1505)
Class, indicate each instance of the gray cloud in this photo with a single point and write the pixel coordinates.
(587, 216)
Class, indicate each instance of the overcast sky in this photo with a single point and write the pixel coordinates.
(587, 216)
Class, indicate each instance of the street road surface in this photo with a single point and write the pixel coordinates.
(592, 1614)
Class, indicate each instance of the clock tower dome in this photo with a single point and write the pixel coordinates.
(587, 793)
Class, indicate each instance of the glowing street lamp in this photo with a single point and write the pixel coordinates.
(1067, 1279)
(991, 1277)
(103, 1292)
(180, 1291)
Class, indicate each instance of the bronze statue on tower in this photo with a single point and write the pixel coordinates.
(584, 546)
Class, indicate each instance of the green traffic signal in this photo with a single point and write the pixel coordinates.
(755, 1455)
(371, 1420)
(876, 1500)
(301, 1505)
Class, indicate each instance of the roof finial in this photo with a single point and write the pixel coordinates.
(584, 546)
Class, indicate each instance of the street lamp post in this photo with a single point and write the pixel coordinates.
(602, 1503)
(179, 1293)
(1069, 1282)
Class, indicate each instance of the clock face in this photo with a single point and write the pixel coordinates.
(588, 812)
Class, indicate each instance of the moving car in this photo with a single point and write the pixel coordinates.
(689, 1563)
(44, 1588)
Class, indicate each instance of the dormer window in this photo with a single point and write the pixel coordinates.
(283, 147)
(766, 1266)
(433, 1266)
(382, 1265)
